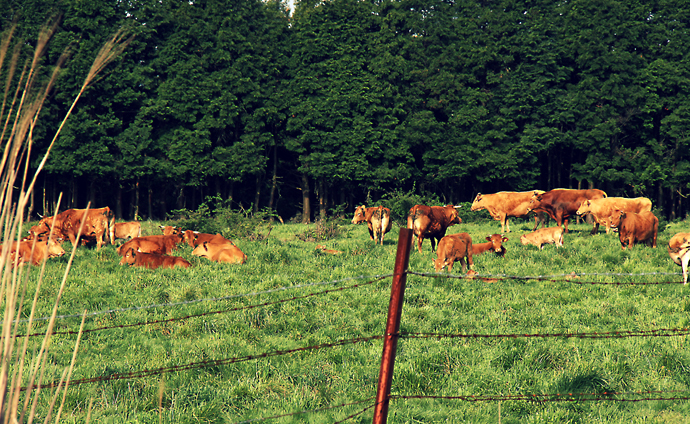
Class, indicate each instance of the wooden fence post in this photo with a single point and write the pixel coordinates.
(390, 340)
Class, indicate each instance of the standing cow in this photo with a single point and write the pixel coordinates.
(431, 222)
(635, 228)
(562, 203)
(378, 221)
(679, 251)
(451, 248)
(67, 223)
(506, 204)
(602, 210)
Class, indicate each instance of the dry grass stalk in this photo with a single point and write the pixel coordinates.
(21, 115)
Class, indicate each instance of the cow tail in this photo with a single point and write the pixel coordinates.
(380, 223)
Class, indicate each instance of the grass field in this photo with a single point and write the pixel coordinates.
(164, 320)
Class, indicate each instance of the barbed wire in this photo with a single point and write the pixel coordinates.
(662, 332)
(210, 299)
(307, 411)
(168, 320)
(572, 277)
(201, 364)
(555, 397)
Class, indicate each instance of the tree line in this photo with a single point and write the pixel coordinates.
(344, 102)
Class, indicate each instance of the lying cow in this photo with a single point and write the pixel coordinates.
(124, 230)
(602, 210)
(153, 260)
(169, 230)
(152, 244)
(635, 228)
(451, 248)
(551, 235)
(679, 250)
(228, 253)
(506, 204)
(494, 244)
(28, 251)
(194, 238)
(378, 221)
(431, 222)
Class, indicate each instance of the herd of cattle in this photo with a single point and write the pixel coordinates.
(98, 225)
(632, 218)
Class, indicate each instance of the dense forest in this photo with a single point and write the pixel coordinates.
(345, 102)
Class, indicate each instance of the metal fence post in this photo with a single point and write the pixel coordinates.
(390, 341)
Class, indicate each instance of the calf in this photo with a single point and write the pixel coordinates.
(153, 260)
(544, 236)
(451, 248)
(124, 230)
(635, 228)
(169, 230)
(679, 250)
(378, 221)
(194, 238)
(228, 253)
(28, 251)
(152, 244)
(494, 244)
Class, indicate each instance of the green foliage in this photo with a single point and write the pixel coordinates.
(321, 230)
(215, 216)
(400, 203)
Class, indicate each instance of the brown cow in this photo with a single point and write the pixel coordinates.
(494, 244)
(152, 244)
(679, 251)
(562, 203)
(635, 228)
(378, 220)
(169, 230)
(124, 230)
(506, 204)
(451, 248)
(27, 251)
(228, 253)
(194, 238)
(153, 260)
(431, 222)
(67, 224)
(603, 209)
(544, 236)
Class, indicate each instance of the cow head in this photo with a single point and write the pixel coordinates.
(189, 237)
(616, 218)
(476, 204)
(535, 201)
(42, 227)
(439, 264)
(169, 230)
(128, 257)
(359, 215)
(201, 250)
(497, 241)
(452, 214)
(584, 208)
(54, 248)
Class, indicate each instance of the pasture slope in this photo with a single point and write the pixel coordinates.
(197, 331)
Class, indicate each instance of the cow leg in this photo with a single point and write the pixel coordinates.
(536, 222)
(505, 226)
(684, 262)
(371, 234)
(595, 228)
(420, 239)
(432, 239)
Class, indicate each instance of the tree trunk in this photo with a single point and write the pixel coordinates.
(135, 215)
(274, 182)
(150, 202)
(306, 206)
(257, 193)
(322, 198)
(30, 209)
(118, 202)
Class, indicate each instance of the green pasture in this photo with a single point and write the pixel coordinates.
(283, 269)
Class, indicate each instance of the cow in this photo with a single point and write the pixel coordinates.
(152, 244)
(451, 248)
(506, 204)
(194, 238)
(562, 203)
(228, 253)
(28, 251)
(602, 209)
(494, 244)
(124, 230)
(431, 222)
(679, 251)
(153, 260)
(169, 230)
(544, 236)
(378, 221)
(67, 225)
(324, 249)
(635, 228)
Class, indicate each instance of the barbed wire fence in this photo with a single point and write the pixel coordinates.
(574, 278)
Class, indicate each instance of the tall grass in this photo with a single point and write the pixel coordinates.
(20, 110)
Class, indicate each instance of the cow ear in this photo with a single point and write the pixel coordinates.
(505, 239)
(488, 238)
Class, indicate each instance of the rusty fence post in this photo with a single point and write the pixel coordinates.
(390, 340)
